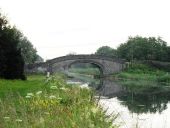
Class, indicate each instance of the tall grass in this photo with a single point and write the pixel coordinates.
(55, 105)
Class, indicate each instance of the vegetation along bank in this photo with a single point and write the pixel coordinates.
(49, 103)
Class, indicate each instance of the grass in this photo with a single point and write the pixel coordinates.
(33, 83)
(145, 73)
(49, 103)
(141, 78)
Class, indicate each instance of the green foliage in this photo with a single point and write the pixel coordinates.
(164, 78)
(106, 51)
(144, 80)
(144, 72)
(140, 68)
(142, 48)
(55, 105)
(11, 61)
(28, 52)
(15, 50)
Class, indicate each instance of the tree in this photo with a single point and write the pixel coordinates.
(28, 52)
(106, 51)
(142, 48)
(39, 59)
(11, 61)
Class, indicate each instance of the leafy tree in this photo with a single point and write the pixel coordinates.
(168, 53)
(106, 51)
(11, 61)
(142, 48)
(28, 52)
(39, 59)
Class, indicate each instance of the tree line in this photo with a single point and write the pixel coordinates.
(15, 51)
(139, 48)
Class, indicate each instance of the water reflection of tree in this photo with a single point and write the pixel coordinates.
(140, 103)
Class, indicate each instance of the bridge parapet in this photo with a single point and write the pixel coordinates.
(92, 56)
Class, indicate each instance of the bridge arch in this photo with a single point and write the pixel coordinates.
(106, 64)
(98, 65)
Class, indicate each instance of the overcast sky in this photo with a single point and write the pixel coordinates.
(59, 27)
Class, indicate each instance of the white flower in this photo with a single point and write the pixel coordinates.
(6, 118)
(30, 94)
(18, 120)
(27, 96)
(64, 89)
(53, 87)
(52, 97)
(38, 93)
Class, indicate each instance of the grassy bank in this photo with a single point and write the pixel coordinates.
(34, 82)
(144, 72)
(51, 103)
(144, 79)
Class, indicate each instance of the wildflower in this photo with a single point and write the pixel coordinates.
(52, 97)
(6, 118)
(18, 120)
(53, 87)
(38, 93)
(28, 97)
(64, 89)
(30, 94)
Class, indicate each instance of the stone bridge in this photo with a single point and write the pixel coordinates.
(106, 65)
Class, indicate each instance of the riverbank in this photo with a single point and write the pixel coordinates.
(141, 78)
(41, 102)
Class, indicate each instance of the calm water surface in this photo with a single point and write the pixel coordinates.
(135, 110)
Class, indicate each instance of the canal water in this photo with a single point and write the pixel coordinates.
(134, 110)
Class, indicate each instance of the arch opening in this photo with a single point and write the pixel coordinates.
(86, 67)
(86, 71)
